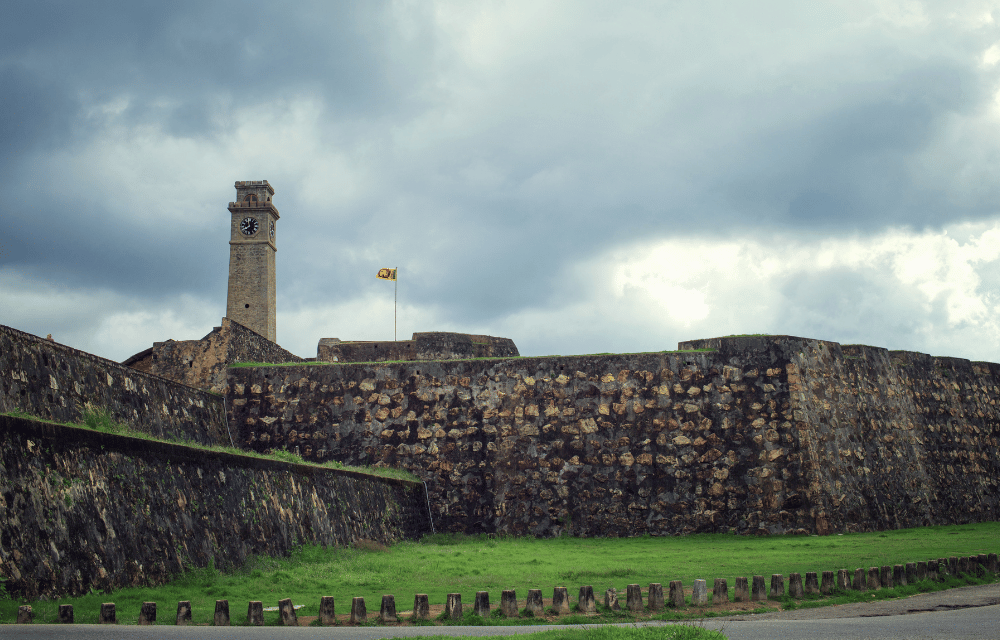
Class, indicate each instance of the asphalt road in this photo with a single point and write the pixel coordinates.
(965, 613)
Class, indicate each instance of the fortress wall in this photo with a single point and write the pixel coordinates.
(83, 510)
(329, 351)
(53, 381)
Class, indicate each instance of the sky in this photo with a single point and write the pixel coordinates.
(581, 177)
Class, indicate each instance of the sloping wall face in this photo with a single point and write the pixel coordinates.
(84, 510)
(53, 381)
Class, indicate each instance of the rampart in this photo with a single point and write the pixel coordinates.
(53, 381)
(762, 435)
(85, 510)
(431, 345)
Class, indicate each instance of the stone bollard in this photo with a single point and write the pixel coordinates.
(560, 601)
(982, 560)
(943, 568)
(421, 607)
(387, 612)
(25, 615)
(677, 594)
(328, 611)
(108, 614)
(992, 563)
(899, 575)
(287, 611)
(586, 601)
(795, 585)
(183, 613)
(482, 605)
(255, 613)
(534, 603)
(611, 599)
(873, 581)
(508, 603)
(885, 576)
(655, 597)
(720, 591)
(843, 583)
(932, 570)
(66, 613)
(826, 586)
(453, 606)
(963, 566)
(758, 590)
(221, 613)
(859, 579)
(953, 566)
(921, 571)
(359, 612)
(812, 583)
(633, 598)
(699, 593)
(741, 593)
(777, 586)
(147, 613)
(911, 572)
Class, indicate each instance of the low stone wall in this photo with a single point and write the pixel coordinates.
(433, 345)
(85, 510)
(333, 350)
(53, 381)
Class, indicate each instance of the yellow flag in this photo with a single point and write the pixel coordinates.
(386, 274)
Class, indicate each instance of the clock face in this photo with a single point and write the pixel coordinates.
(248, 226)
(272, 230)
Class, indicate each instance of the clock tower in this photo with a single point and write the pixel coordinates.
(251, 297)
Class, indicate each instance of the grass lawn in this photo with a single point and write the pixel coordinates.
(442, 564)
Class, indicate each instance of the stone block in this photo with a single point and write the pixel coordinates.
(328, 611)
(899, 575)
(795, 585)
(699, 593)
(533, 605)
(221, 618)
(387, 612)
(843, 581)
(982, 561)
(508, 603)
(654, 597)
(758, 590)
(953, 566)
(911, 573)
(421, 607)
(921, 570)
(964, 566)
(932, 570)
(720, 591)
(147, 613)
(633, 598)
(860, 583)
(66, 614)
(826, 586)
(741, 592)
(108, 615)
(560, 601)
(611, 599)
(255, 613)
(943, 568)
(885, 576)
(183, 613)
(453, 606)
(586, 602)
(873, 582)
(677, 594)
(25, 615)
(991, 563)
(359, 612)
(481, 607)
(287, 611)
(777, 586)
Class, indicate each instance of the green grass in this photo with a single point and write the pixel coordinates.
(448, 563)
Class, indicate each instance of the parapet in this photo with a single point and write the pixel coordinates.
(432, 345)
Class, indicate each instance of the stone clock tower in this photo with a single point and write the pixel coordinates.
(251, 258)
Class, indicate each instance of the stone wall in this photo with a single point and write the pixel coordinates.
(334, 350)
(765, 434)
(433, 345)
(203, 363)
(83, 510)
(53, 381)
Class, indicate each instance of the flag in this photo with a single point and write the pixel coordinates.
(386, 274)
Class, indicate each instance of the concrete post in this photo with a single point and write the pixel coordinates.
(859, 579)
(758, 589)
(873, 582)
(963, 566)
(508, 603)
(677, 594)
(699, 593)
(921, 570)
(795, 585)
(108, 613)
(826, 587)
(633, 598)
(147, 613)
(359, 612)
(655, 597)
(387, 612)
(777, 586)
(899, 575)
(943, 568)
(183, 613)
(611, 599)
(981, 560)
(812, 583)
(560, 601)
(586, 601)
(911, 572)
(534, 602)
(328, 611)
(287, 610)
(453, 606)
(421, 607)
(66, 614)
(25, 615)
(953, 566)
(482, 605)
(885, 576)
(255, 613)
(221, 613)
(932, 570)
(741, 593)
(992, 563)
(843, 582)
(720, 591)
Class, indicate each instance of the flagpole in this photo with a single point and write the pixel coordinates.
(395, 293)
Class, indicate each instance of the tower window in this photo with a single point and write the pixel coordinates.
(251, 197)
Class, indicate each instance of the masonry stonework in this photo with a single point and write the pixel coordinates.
(251, 298)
